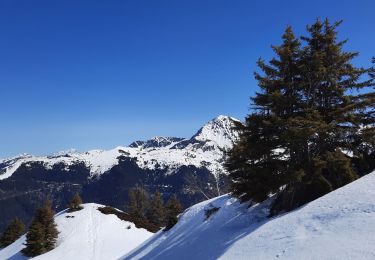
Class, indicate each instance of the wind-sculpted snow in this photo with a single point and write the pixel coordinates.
(340, 225)
(86, 235)
(204, 149)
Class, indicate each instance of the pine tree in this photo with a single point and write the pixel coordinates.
(372, 72)
(137, 204)
(156, 210)
(365, 161)
(12, 232)
(336, 105)
(257, 163)
(76, 203)
(313, 105)
(34, 240)
(329, 77)
(173, 209)
(43, 233)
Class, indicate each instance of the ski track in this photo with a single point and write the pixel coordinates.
(90, 235)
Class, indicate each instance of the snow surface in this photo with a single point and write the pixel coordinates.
(340, 225)
(89, 235)
(219, 131)
(206, 148)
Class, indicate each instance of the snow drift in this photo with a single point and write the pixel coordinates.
(340, 225)
(87, 234)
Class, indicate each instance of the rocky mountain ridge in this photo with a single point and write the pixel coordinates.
(204, 149)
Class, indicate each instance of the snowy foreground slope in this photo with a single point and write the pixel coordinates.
(89, 235)
(340, 225)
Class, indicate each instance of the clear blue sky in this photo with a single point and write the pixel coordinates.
(97, 74)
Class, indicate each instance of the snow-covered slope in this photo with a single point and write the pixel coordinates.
(89, 235)
(204, 149)
(340, 225)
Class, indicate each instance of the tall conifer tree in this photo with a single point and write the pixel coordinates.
(173, 209)
(256, 163)
(43, 233)
(137, 204)
(156, 211)
(313, 106)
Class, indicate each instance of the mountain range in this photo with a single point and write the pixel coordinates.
(192, 168)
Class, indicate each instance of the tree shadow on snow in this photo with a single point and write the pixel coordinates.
(205, 239)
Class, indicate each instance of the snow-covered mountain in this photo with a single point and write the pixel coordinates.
(86, 235)
(339, 225)
(192, 168)
(204, 149)
(156, 142)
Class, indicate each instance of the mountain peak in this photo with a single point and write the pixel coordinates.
(220, 130)
(223, 118)
(204, 148)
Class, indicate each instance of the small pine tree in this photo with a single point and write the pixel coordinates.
(173, 209)
(76, 203)
(34, 240)
(137, 204)
(156, 210)
(43, 233)
(12, 232)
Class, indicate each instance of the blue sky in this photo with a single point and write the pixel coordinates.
(97, 74)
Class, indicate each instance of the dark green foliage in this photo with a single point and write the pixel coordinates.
(173, 209)
(337, 169)
(75, 204)
(302, 192)
(148, 211)
(372, 73)
(126, 217)
(256, 170)
(137, 204)
(313, 105)
(42, 234)
(12, 232)
(35, 240)
(156, 210)
(364, 163)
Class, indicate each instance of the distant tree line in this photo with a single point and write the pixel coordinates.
(311, 126)
(151, 210)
